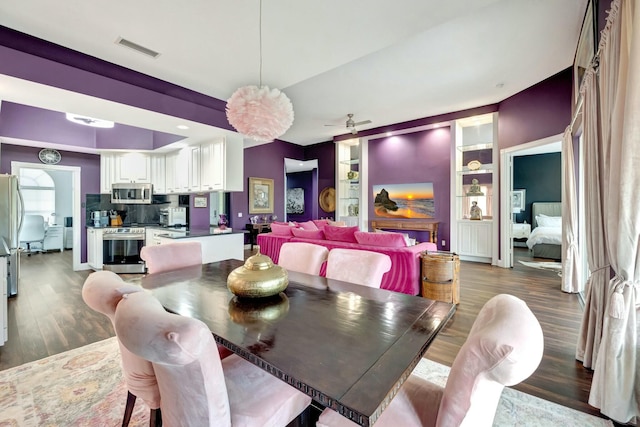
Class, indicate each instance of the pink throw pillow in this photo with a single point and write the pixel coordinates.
(340, 234)
(280, 229)
(308, 234)
(320, 223)
(389, 240)
(309, 225)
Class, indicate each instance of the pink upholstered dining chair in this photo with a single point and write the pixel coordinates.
(504, 347)
(357, 266)
(197, 388)
(302, 257)
(171, 256)
(103, 291)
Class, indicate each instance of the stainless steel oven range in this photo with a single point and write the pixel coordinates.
(121, 249)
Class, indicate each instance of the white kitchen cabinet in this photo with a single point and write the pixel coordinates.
(183, 170)
(94, 248)
(132, 167)
(171, 164)
(158, 173)
(474, 240)
(153, 235)
(107, 168)
(212, 163)
(123, 168)
(193, 166)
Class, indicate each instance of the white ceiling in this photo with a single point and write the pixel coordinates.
(384, 61)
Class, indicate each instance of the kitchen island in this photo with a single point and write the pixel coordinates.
(216, 246)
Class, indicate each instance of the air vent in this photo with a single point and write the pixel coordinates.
(135, 46)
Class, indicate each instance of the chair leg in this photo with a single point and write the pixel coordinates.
(155, 418)
(128, 409)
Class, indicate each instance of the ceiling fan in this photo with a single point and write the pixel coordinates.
(351, 124)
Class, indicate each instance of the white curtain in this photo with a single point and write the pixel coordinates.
(610, 331)
(571, 277)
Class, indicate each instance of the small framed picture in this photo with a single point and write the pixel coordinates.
(260, 195)
(200, 202)
(518, 200)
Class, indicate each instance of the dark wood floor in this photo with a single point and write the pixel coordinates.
(48, 316)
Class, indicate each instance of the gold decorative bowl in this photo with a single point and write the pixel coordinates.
(259, 277)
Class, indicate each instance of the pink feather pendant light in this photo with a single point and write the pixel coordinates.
(258, 112)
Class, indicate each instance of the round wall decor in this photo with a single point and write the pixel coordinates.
(49, 156)
(327, 199)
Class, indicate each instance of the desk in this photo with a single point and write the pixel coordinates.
(255, 229)
(347, 346)
(430, 225)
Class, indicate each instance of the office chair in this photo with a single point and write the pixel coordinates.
(33, 231)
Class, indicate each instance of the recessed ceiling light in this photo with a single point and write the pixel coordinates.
(184, 127)
(89, 121)
(389, 133)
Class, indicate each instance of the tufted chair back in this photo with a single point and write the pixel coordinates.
(197, 388)
(357, 266)
(171, 256)
(504, 347)
(302, 257)
(103, 291)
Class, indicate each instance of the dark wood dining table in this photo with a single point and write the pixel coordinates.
(348, 346)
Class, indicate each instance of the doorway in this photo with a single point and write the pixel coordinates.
(73, 175)
(507, 155)
(301, 189)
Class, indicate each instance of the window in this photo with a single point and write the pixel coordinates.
(38, 191)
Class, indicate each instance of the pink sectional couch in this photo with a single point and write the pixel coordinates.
(404, 275)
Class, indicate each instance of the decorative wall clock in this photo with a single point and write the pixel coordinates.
(49, 156)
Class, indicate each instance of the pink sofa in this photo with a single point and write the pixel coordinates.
(404, 275)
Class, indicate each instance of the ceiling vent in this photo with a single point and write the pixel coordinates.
(135, 46)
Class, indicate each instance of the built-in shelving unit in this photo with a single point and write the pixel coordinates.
(472, 176)
(351, 197)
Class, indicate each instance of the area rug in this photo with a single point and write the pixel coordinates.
(84, 387)
(81, 387)
(548, 265)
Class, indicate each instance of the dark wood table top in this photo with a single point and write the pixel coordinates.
(347, 346)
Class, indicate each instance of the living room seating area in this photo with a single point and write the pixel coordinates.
(404, 275)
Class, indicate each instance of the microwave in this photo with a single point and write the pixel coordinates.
(133, 193)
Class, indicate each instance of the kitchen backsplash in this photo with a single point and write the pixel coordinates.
(135, 214)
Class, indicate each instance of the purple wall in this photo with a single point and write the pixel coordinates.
(325, 153)
(415, 157)
(89, 175)
(263, 161)
(37, 124)
(198, 217)
(538, 112)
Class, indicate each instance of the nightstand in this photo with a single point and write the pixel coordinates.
(520, 233)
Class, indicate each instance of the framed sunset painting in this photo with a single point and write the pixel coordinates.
(404, 201)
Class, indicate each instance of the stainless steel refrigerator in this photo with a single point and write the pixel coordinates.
(11, 217)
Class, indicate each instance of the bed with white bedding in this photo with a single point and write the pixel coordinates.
(546, 237)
